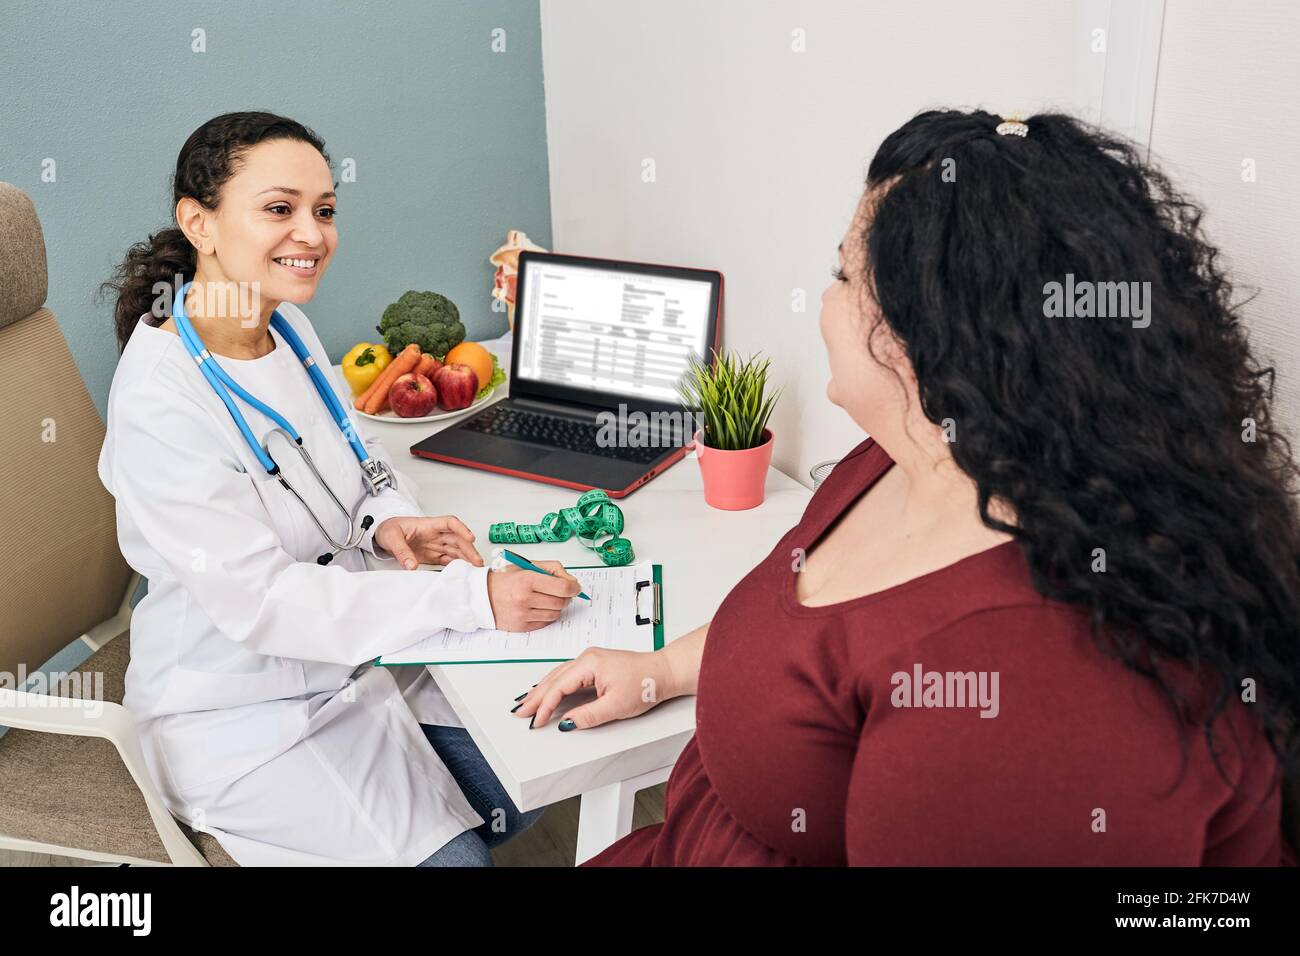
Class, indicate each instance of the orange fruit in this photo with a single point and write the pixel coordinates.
(476, 357)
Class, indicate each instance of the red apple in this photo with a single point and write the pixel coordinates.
(457, 385)
(412, 396)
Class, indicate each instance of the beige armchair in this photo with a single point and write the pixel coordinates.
(74, 781)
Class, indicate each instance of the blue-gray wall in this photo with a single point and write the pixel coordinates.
(448, 137)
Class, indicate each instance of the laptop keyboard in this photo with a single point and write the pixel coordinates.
(554, 432)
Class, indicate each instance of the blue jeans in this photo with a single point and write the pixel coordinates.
(502, 820)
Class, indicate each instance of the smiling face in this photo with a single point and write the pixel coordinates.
(867, 361)
(274, 224)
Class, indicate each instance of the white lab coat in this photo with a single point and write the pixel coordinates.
(262, 720)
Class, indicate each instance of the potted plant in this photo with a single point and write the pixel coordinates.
(734, 446)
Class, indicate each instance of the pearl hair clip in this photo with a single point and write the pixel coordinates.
(1013, 125)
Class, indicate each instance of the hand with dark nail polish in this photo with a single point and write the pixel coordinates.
(566, 725)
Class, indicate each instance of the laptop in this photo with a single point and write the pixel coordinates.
(599, 348)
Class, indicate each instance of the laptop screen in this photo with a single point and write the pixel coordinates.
(618, 332)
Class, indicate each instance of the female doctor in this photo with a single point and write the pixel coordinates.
(262, 720)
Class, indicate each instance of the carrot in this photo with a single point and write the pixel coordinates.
(405, 361)
(376, 396)
(426, 363)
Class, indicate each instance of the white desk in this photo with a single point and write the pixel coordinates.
(704, 553)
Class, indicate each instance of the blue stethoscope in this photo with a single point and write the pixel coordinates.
(376, 474)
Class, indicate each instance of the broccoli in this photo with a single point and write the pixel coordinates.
(428, 319)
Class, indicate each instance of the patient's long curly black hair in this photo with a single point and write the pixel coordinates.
(1155, 444)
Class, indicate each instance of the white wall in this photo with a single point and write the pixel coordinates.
(760, 151)
(1226, 92)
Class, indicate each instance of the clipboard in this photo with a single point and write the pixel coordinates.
(648, 605)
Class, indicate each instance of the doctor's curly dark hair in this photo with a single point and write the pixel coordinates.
(210, 156)
(1153, 443)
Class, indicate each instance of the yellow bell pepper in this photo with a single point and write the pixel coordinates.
(362, 365)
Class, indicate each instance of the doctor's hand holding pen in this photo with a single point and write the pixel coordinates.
(524, 600)
(627, 683)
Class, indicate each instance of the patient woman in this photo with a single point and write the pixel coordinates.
(1047, 613)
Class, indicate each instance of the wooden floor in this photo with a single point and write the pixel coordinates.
(548, 842)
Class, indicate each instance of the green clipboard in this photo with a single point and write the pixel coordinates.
(655, 618)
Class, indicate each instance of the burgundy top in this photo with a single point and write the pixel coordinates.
(801, 757)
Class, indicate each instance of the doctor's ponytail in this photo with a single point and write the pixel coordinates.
(159, 259)
(147, 278)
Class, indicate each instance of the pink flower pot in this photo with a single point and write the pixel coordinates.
(734, 480)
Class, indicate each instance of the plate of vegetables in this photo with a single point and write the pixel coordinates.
(423, 370)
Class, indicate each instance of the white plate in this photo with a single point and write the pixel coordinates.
(388, 415)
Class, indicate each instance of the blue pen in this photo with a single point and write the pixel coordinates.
(521, 562)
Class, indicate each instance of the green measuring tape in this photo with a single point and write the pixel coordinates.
(597, 522)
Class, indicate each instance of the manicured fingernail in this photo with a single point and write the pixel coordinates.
(516, 707)
(410, 565)
(530, 721)
(566, 724)
(522, 696)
